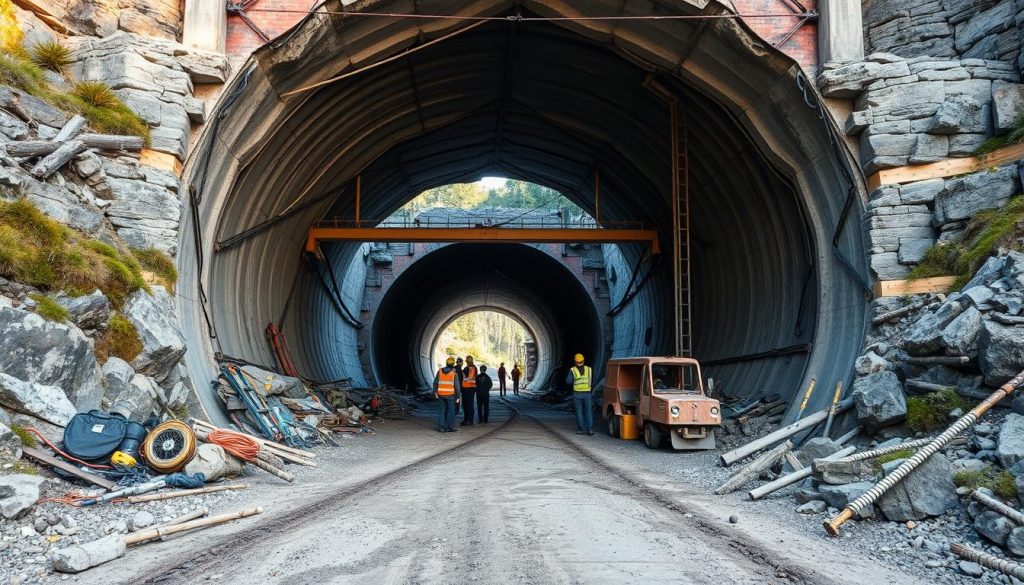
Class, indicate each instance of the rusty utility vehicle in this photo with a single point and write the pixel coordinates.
(660, 396)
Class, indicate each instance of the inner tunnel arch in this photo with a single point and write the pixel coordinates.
(546, 103)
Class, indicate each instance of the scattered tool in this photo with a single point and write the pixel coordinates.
(183, 493)
(897, 475)
(122, 493)
(807, 397)
(78, 558)
(832, 409)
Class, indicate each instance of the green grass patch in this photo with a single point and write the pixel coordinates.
(94, 100)
(27, 439)
(886, 458)
(1014, 136)
(10, 31)
(931, 411)
(121, 339)
(50, 309)
(50, 55)
(1000, 482)
(39, 251)
(987, 232)
(160, 264)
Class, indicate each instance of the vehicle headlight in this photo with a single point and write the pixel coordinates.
(674, 410)
(714, 411)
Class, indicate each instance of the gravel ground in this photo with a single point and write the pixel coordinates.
(24, 555)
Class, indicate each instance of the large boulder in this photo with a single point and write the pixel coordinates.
(90, 311)
(962, 197)
(1010, 446)
(155, 319)
(49, 403)
(38, 351)
(927, 491)
(137, 400)
(18, 493)
(817, 448)
(879, 400)
(1000, 352)
(925, 335)
(117, 374)
(960, 337)
(994, 526)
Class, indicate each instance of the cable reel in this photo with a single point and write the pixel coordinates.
(169, 446)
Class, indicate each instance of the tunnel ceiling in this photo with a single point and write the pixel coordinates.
(547, 103)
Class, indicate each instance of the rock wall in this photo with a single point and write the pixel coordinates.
(153, 18)
(909, 111)
(977, 29)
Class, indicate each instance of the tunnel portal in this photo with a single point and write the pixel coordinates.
(777, 258)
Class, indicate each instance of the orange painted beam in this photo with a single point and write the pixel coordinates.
(482, 234)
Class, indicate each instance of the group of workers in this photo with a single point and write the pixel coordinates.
(455, 383)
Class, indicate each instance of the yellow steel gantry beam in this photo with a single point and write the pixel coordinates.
(482, 234)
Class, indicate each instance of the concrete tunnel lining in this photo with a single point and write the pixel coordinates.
(457, 279)
(767, 190)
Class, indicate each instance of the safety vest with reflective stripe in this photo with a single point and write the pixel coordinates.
(445, 383)
(469, 380)
(581, 382)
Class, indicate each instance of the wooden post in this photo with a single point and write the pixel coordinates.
(798, 475)
(753, 469)
(154, 533)
(205, 25)
(57, 159)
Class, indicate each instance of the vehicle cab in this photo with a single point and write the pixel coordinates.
(660, 396)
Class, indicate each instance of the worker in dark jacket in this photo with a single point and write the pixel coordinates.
(579, 380)
(446, 391)
(458, 373)
(502, 372)
(483, 395)
(468, 391)
(517, 373)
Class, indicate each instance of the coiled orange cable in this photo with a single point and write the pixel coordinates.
(237, 444)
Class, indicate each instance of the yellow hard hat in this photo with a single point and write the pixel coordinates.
(123, 459)
(578, 357)
(450, 361)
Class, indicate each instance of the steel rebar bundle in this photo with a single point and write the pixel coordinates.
(1004, 566)
(887, 482)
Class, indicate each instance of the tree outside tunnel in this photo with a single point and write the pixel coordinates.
(491, 337)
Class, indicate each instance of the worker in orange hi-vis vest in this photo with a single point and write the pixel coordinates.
(446, 391)
(468, 391)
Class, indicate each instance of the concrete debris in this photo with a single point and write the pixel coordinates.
(18, 494)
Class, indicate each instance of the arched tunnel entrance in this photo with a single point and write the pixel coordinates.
(457, 279)
(777, 256)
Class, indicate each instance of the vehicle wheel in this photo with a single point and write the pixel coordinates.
(652, 436)
(614, 424)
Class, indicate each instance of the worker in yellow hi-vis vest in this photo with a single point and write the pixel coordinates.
(579, 378)
(446, 391)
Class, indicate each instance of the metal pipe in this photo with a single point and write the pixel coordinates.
(1011, 513)
(800, 474)
(1004, 566)
(962, 424)
(770, 439)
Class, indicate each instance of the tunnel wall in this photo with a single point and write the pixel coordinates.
(271, 154)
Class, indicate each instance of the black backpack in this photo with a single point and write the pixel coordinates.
(93, 436)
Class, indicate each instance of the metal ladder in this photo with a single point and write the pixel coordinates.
(681, 230)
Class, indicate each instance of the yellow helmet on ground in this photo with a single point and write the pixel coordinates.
(123, 459)
(579, 358)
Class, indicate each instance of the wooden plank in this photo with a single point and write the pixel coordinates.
(160, 160)
(898, 288)
(946, 168)
(793, 461)
(47, 459)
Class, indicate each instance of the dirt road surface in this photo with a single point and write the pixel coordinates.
(520, 500)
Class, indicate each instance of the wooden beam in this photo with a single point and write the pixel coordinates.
(482, 234)
(160, 160)
(47, 459)
(898, 288)
(946, 168)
